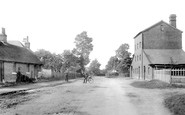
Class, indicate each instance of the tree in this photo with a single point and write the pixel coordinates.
(112, 63)
(49, 60)
(83, 48)
(69, 60)
(122, 51)
(124, 65)
(121, 61)
(124, 58)
(94, 67)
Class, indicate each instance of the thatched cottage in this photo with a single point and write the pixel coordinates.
(13, 57)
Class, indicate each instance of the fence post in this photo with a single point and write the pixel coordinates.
(170, 75)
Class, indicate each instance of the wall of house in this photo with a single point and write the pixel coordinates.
(136, 63)
(11, 68)
(148, 71)
(8, 69)
(32, 71)
(162, 36)
(23, 68)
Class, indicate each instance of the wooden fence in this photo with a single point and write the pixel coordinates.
(170, 75)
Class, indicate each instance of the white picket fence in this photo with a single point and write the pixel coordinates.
(170, 75)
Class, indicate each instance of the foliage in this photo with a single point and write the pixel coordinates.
(69, 60)
(122, 51)
(83, 48)
(121, 61)
(95, 67)
(124, 65)
(112, 63)
(49, 60)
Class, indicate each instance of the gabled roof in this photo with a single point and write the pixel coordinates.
(158, 23)
(165, 56)
(16, 43)
(12, 53)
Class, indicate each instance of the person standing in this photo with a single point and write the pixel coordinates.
(85, 77)
(66, 76)
(19, 75)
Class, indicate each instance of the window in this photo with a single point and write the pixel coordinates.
(140, 57)
(137, 46)
(140, 44)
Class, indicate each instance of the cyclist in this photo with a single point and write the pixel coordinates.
(85, 74)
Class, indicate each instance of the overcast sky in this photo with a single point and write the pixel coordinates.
(53, 24)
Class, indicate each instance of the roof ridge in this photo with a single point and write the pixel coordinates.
(156, 25)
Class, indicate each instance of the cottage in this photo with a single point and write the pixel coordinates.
(159, 46)
(13, 57)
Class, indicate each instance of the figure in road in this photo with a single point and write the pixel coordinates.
(85, 74)
(66, 76)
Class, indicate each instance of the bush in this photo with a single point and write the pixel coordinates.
(176, 104)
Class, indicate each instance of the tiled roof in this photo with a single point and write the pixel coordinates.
(14, 53)
(165, 56)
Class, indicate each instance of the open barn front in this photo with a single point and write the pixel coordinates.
(170, 73)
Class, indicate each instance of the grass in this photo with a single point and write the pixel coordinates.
(176, 104)
(155, 84)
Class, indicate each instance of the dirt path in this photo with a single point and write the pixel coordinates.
(106, 96)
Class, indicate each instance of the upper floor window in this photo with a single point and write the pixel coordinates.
(139, 57)
(140, 44)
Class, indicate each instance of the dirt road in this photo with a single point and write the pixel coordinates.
(106, 96)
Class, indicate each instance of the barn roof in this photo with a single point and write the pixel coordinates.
(12, 53)
(165, 56)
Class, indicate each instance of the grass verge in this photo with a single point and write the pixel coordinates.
(176, 104)
(155, 84)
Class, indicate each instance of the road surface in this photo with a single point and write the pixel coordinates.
(106, 96)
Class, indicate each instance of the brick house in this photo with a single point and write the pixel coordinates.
(159, 46)
(13, 57)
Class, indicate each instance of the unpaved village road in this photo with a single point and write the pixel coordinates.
(106, 96)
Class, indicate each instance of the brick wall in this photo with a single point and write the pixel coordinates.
(8, 69)
(23, 67)
(162, 36)
(32, 71)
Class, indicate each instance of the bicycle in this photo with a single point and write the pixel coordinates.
(90, 79)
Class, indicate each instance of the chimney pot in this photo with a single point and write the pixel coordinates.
(3, 36)
(3, 31)
(173, 20)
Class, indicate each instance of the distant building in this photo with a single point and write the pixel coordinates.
(159, 46)
(13, 57)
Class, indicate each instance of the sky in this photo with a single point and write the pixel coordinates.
(53, 24)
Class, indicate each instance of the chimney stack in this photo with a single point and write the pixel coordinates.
(3, 36)
(26, 42)
(173, 20)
